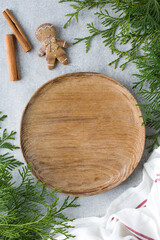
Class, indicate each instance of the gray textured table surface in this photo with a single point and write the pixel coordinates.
(33, 71)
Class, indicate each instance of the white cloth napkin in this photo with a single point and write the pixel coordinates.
(134, 215)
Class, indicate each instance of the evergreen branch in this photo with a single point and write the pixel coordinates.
(2, 117)
(9, 161)
(149, 73)
(4, 140)
(154, 139)
(137, 21)
(78, 6)
(94, 32)
(67, 204)
(24, 210)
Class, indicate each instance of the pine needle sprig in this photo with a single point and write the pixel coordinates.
(9, 161)
(2, 117)
(6, 159)
(149, 87)
(24, 210)
(94, 32)
(4, 140)
(135, 23)
(79, 5)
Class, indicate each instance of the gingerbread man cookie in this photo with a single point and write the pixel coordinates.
(51, 46)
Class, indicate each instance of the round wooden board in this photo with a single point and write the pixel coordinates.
(82, 133)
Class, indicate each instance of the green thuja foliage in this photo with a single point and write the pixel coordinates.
(132, 22)
(136, 25)
(149, 87)
(78, 6)
(24, 210)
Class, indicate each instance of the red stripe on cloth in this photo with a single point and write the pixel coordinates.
(140, 234)
(141, 204)
(158, 179)
(158, 174)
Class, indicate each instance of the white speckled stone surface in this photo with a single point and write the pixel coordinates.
(33, 72)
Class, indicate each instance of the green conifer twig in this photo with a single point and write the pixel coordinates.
(24, 210)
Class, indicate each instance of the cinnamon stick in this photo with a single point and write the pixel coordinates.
(13, 72)
(17, 31)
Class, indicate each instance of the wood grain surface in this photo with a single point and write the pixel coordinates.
(82, 133)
